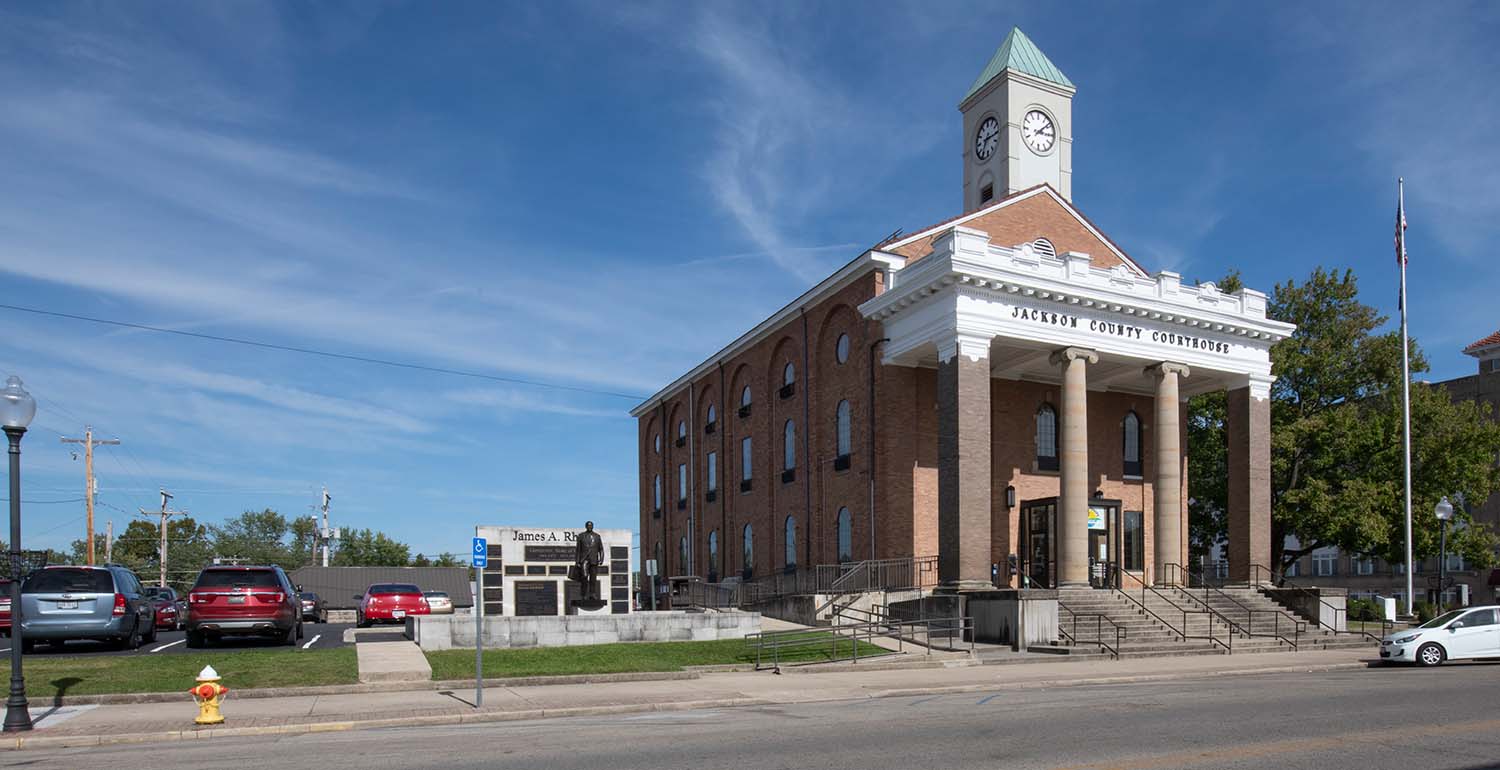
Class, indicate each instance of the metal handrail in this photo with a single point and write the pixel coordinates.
(1337, 610)
(1298, 626)
(1099, 621)
(1120, 574)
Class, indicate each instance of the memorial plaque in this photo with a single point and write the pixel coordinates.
(557, 569)
(536, 597)
(514, 569)
(549, 553)
(572, 590)
(619, 552)
(536, 569)
(619, 580)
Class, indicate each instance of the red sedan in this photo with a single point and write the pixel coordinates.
(390, 603)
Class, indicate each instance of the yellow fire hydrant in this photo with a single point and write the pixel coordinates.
(209, 694)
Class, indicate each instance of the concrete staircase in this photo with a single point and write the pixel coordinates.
(1246, 621)
(1263, 617)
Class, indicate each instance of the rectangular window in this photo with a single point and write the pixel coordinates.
(1135, 540)
(1324, 564)
(746, 460)
(681, 482)
(1455, 562)
(1294, 569)
(713, 471)
(1364, 566)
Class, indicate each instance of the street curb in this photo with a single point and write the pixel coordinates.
(77, 741)
(73, 741)
(127, 699)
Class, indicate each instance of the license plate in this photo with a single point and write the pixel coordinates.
(67, 605)
(398, 614)
(236, 600)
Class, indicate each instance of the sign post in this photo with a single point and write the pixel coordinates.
(651, 573)
(480, 560)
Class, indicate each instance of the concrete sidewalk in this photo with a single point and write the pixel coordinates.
(96, 725)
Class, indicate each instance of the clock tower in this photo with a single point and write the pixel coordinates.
(1018, 125)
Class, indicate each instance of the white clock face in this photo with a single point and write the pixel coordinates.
(987, 138)
(1037, 131)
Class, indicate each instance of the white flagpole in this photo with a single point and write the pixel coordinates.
(1411, 599)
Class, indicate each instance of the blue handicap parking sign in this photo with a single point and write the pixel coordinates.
(481, 552)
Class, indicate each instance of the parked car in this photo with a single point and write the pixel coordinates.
(243, 601)
(5, 608)
(312, 607)
(1456, 635)
(171, 609)
(389, 603)
(103, 603)
(438, 603)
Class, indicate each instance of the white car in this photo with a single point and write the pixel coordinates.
(438, 603)
(1454, 635)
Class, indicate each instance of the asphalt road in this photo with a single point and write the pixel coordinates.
(314, 636)
(1376, 719)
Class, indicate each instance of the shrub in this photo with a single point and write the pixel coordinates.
(1425, 611)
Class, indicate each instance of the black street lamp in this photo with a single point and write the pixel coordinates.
(17, 407)
(1444, 512)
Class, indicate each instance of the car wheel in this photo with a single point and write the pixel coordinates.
(195, 639)
(360, 622)
(291, 637)
(299, 630)
(151, 631)
(130, 642)
(1430, 654)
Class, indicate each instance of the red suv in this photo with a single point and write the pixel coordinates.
(389, 603)
(243, 601)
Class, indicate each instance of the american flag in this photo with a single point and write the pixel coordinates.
(1401, 232)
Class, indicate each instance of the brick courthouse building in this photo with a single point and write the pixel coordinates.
(1005, 387)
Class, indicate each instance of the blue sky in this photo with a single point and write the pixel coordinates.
(551, 191)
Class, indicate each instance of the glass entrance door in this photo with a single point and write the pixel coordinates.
(1104, 545)
(1038, 549)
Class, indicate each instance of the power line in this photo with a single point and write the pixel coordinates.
(322, 353)
(45, 502)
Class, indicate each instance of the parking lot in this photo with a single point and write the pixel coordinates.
(316, 636)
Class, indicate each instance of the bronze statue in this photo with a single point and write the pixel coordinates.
(588, 554)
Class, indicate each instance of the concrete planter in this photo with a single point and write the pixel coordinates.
(445, 632)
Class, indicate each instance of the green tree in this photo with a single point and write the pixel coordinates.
(368, 548)
(446, 559)
(256, 537)
(1336, 475)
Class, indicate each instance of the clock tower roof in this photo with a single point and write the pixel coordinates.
(1020, 54)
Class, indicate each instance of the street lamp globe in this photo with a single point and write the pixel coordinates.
(1443, 510)
(17, 407)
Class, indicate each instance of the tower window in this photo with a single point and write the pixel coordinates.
(986, 193)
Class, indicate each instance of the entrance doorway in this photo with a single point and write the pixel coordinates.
(1104, 545)
(1038, 552)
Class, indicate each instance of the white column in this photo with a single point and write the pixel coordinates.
(1073, 456)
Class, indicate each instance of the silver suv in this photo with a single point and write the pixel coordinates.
(105, 603)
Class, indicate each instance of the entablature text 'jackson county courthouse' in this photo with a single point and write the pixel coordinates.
(1004, 388)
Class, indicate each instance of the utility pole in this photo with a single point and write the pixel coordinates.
(164, 513)
(109, 542)
(325, 534)
(89, 443)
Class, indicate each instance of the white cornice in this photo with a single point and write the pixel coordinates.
(967, 258)
(861, 265)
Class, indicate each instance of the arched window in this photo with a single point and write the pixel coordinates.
(656, 442)
(1046, 438)
(656, 493)
(1132, 432)
(788, 381)
(682, 557)
(745, 396)
(789, 446)
(747, 551)
(846, 536)
(841, 349)
(791, 543)
(682, 433)
(713, 556)
(710, 419)
(841, 419)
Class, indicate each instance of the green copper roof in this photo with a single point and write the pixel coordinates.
(1020, 54)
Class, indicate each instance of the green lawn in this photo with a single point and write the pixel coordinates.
(241, 670)
(623, 658)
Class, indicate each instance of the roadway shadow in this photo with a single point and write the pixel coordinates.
(454, 696)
